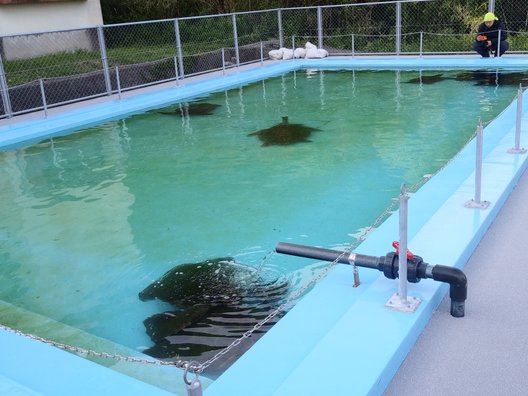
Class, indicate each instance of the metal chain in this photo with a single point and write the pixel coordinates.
(83, 351)
(197, 368)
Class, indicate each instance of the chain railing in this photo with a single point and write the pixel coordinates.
(53, 68)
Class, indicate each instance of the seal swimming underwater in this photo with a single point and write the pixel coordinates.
(284, 134)
(192, 109)
(215, 302)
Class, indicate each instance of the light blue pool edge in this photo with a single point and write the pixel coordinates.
(358, 351)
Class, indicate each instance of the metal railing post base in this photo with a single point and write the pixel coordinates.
(409, 305)
(472, 204)
(516, 151)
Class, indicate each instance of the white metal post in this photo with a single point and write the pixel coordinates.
(179, 47)
(235, 36)
(279, 21)
(176, 71)
(4, 90)
(402, 257)
(497, 54)
(398, 28)
(223, 61)
(43, 95)
(104, 59)
(518, 125)
(118, 83)
(320, 27)
(401, 301)
(476, 202)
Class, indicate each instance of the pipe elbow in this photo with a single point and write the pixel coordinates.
(458, 287)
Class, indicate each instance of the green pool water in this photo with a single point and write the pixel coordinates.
(92, 218)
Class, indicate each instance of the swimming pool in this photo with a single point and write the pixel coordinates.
(331, 313)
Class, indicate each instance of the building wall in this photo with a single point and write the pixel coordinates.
(30, 16)
(29, 27)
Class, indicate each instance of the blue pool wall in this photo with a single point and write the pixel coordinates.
(337, 339)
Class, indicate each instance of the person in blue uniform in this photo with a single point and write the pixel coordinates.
(490, 31)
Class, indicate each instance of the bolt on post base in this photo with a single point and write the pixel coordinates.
(477, 205)
(410, 305)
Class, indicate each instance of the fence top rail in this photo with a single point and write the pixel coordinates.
(50, 31)
(216, 15)
(367, 4)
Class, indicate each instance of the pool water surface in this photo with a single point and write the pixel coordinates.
(92, 218)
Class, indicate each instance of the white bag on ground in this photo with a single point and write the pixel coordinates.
(287, 54)
(316, 53)
(299, 53)
(276, 54)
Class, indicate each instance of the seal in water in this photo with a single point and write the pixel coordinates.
(284, 134)
(215, 302)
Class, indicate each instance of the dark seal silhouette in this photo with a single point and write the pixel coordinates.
(284, 134)
(214, 303)
(192, 109)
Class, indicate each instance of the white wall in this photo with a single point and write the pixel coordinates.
(47, 16)
(18, 19)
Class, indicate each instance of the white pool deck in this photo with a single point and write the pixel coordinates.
(340, 340)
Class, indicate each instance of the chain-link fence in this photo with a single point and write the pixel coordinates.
(47, 69)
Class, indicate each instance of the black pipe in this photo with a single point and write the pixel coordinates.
(312, 252)
(328, 255)
(388, 264)
(458, 287)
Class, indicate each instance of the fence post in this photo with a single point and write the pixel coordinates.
(104, 59)
(261, 54)
(43, 95)
(235, 35)
(118, 80)
(176, 71)
(421, 44)
(179, 47)
(353, 45)
(320, 27)
(279, 20)
(223, 61)
(476, 203)
(398, 28)
(497, 54)
(5, 91)
(491, 6)
(517, 149)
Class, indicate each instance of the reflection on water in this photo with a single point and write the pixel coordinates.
(93, 218)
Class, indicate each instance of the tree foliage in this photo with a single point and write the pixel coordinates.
(118, 11)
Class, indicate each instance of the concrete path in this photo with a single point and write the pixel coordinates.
(486, 352)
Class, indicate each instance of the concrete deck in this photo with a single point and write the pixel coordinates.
(484, 353)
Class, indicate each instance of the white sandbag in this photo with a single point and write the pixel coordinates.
(316, 53)
(309, 45)
(276, 54)
(312, 53)
(287, 54)
(299, 53)
(322, 53)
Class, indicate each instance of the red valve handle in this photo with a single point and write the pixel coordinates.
(396, 245)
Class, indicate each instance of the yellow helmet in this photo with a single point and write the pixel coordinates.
(489, 17)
